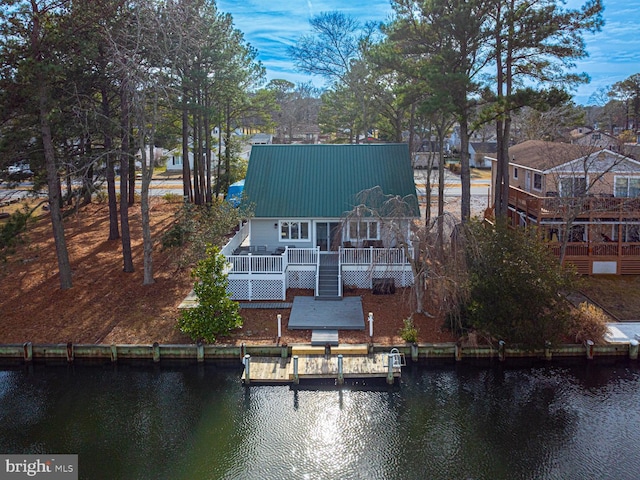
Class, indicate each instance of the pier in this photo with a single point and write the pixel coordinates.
(307, 362)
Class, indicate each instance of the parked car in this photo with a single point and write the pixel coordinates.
(19, 172)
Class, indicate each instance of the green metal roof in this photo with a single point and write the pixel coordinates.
(310, 181)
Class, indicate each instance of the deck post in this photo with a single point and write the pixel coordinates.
(414, 352)
(633, 349)
(156, 352)
(340, 370)
(589, 346)
(200, 352)
(501, 350)
(296, 378)
(371, 326)
(247, 369)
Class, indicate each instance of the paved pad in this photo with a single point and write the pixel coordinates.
(324, 337)
(307, 313)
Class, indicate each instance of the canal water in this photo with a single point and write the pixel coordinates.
(449, 422)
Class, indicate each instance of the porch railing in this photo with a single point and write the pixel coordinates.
(371, 256)
(257, 263)
(302, 256)
(597, 249)
(236, 240)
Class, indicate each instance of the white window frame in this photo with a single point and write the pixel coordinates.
(360, 225)
(573, 186)
(534, 182)
(286, 235)
(628, 179)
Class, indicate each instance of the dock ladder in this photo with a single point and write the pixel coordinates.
(397, 358)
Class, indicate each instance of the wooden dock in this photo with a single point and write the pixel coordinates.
(272, 370)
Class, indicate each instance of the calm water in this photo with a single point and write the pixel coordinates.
(448, 422)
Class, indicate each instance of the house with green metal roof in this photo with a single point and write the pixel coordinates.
(326, 205)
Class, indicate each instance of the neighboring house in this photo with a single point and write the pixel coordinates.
(261, 139)
(582, 197)
(428, 154)
(596, 138)
(303, 198)
(478, 151)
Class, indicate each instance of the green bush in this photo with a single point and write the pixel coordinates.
(514, 286)
(12, 232)
(216, 314)
(409, 332)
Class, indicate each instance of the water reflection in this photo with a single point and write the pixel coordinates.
(450, 422)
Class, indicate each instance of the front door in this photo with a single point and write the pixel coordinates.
(328, 236)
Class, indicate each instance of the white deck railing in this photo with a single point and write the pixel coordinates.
(251, 263)
(256, 263)
(302, 256)
(373, 256)
(236, 240)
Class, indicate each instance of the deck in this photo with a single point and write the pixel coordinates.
(270, 370)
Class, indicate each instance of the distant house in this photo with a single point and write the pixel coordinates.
(596, 138)
(478, 151)
(303, 197)
(581, 196)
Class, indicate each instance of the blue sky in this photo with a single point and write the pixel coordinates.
(270, 27)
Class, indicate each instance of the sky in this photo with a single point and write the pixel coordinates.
(271, 27)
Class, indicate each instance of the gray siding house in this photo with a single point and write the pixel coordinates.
(309, 212)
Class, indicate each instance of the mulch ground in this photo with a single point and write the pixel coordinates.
(107, 305)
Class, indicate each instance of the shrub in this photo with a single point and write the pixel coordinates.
(12, 232)
(589, 322)
(409, 332)
(514, 284)
(216, 314)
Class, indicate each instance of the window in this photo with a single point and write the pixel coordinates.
(573, 186)
(363, 229)
(630, 232)
(627, 187)
(515, 173)
(294, 230)
(537, 181)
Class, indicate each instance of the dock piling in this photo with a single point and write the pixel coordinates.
(28, 351)
(156, 352)
(200, 352)
(296, 377)
(114, 353)
(390, 370)
(247, 369)
(501, 350)
(340, 370)
(589, 347)
(547, 350)
(633, 349)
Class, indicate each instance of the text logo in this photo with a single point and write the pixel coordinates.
(50, 467)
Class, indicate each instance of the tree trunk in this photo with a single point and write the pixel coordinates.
(465, 173)
(114, 234)
(186, 168)
(127, 257)
(64, 267)
(147, 244)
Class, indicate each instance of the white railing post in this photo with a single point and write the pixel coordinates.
(249, 282)
(339, 271)
(317, 271)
